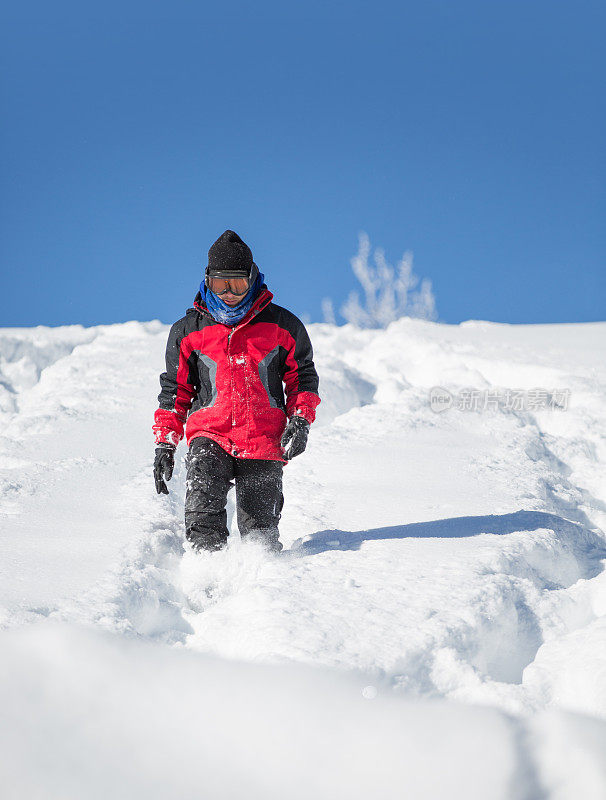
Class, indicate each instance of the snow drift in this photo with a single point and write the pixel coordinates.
(441, 598)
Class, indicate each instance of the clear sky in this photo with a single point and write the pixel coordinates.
(472, 133)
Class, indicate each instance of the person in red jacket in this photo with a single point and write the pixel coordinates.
(240, 382)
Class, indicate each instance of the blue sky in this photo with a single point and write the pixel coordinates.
(471, 133)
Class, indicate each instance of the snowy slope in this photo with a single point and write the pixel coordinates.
(430, 558)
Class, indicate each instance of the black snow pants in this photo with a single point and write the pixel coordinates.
(211, 471)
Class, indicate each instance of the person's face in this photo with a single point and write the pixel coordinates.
(231, 299)
(230, 290)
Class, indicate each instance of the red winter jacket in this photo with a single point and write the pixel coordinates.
(226, 381)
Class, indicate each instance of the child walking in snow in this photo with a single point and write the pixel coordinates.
(228, 361)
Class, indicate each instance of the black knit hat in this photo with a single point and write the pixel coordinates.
(229, 256)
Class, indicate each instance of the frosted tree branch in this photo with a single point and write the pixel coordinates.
(388, 293)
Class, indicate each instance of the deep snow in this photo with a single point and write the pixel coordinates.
(430, 558)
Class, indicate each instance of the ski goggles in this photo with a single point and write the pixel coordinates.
(237, 286)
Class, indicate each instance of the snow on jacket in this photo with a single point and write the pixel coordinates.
(227, 381)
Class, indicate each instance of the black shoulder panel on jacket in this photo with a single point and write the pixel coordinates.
(307, 377)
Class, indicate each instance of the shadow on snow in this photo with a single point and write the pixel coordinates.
(453, 528)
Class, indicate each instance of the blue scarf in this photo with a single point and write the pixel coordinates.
(226, 314)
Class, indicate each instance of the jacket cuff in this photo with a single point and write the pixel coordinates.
(168, 429)
(305, 406)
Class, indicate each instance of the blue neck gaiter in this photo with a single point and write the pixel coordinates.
(226, 314)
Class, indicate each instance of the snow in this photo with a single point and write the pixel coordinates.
(436, 625)
(176, 725)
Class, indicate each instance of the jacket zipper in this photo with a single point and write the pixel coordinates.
(248, 317)
(231, 377)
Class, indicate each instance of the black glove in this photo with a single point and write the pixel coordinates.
(294, 438)
(164, 463)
